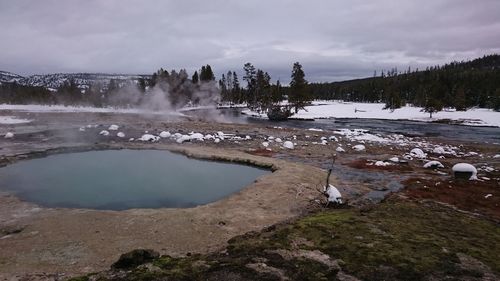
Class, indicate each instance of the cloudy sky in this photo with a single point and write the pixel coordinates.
(334, 40)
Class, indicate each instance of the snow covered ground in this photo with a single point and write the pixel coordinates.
(338, 109)
(62, 108)
(12, 120)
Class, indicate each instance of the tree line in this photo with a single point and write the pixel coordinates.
(458, 84)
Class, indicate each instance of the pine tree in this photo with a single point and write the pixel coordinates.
(460, 100)
(299, 95)
(236, 91)
(250, 78)
(195, 78)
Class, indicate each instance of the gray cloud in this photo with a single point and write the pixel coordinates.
(334, 40)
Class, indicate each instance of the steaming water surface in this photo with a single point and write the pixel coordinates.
(124, 179)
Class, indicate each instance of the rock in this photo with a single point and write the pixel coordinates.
(340, 149)
(113, 128)
(120, 134)
(9, 135)
(135, 258)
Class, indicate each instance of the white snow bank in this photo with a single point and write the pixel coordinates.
(62, 108)
(113, 127)
(9, 135)
(433, 165)
(265, 144)
(340, 149)
(334, 195)
(288, 144)
(120, 134)
(13, 120)
(465, 168)
(335, 109)
(104, 133)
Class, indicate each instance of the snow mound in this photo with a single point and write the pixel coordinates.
(278, 140)
(216, 140)
(104, 133)
(9, 135)
(165, 134)
(288, 144)
(394, 159)
(433, 165)
(265, 144)
(183, 138)
(439, 150)
(496, 156)
(359, 147)
(113, 127)
(418, 153)
(120, 134)
(340, 149)
(465, 168)
(149, 137)
(334, 195)
(197, 136)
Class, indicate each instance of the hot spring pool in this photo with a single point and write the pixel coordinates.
(124, 179)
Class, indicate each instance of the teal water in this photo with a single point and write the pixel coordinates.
(124, 179)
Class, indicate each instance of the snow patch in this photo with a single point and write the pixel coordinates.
(359, 147)
(13, 120)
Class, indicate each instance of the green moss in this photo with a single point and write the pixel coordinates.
(415, 240)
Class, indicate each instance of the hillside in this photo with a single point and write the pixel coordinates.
(457, 84)
(54, 81)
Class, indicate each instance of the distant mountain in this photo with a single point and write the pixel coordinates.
(9, 77)
(54, 81)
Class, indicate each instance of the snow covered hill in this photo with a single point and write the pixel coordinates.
(9, 77)
(54, 81)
